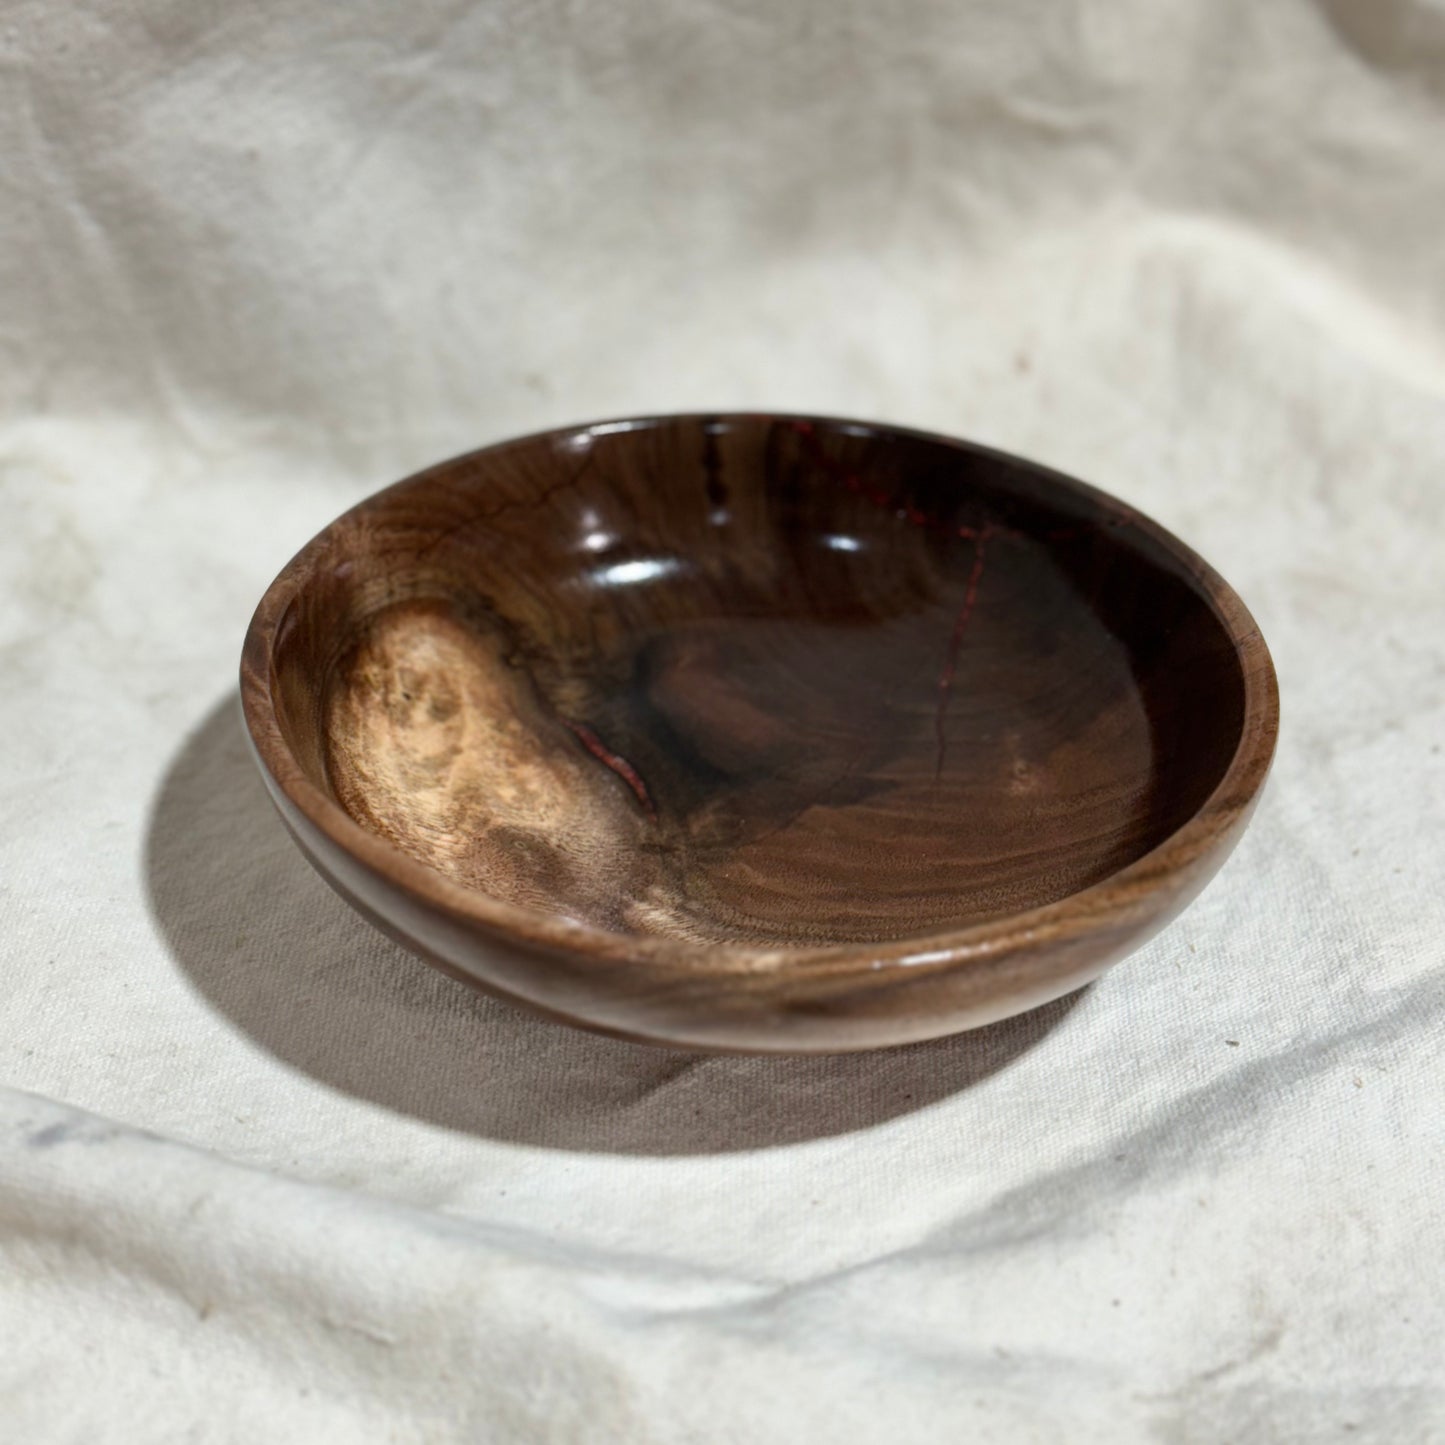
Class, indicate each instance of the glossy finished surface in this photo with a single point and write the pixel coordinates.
(759, 732)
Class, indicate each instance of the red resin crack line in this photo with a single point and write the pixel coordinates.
(955, 642)
(618, 765)
(903, 511)
(979, 535)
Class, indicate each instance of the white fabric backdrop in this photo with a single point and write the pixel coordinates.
(263, 1176)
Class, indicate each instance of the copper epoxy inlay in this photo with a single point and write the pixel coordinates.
(703, 699)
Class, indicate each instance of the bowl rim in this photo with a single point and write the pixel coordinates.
(1087, 911)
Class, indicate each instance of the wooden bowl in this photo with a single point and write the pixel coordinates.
(759, 732)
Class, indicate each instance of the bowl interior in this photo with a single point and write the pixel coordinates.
(758, 680)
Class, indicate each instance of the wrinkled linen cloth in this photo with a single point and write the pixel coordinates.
(263, 1175)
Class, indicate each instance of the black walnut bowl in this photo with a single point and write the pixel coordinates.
(759, 733)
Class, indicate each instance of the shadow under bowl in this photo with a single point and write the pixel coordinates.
(756, 732)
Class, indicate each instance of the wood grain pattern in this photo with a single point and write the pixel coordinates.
(759, 732)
